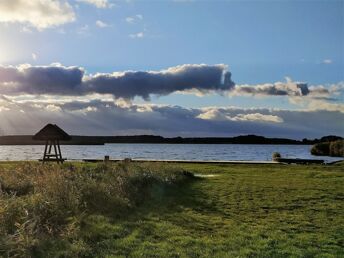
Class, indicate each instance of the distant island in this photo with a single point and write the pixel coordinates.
(153, 139)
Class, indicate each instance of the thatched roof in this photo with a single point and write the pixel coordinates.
(51, 132)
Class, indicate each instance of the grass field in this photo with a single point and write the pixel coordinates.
(232, 211)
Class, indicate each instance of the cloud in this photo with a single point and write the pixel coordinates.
(137, 35)
(257, 117)
(319, 91)
(106, 117)
(134, 19)
(288, 88)
(53, 79)
(56, 79)
(36, 13)
(98, 3)
(53, 108)
(225, 114)
(197, 79)
(101, 24)
(184, 77)
(327, 61)
(316, 104)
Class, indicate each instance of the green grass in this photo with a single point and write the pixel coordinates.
(242, 211)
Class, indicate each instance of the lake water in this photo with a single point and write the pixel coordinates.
(164, 151)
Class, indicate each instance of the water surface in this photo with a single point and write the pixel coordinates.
(251, 152)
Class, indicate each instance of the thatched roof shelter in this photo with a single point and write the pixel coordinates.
(51, 132)
(52, 135)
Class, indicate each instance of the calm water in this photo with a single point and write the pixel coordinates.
(164, 151)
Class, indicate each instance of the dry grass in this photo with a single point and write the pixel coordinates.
(39, 202)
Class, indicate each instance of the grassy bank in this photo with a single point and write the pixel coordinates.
(45, 209)
(234, 211)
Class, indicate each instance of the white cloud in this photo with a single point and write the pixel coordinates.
(327, 61)
(325, 105)
(137, 35)
(257, 117)
(223, 114)
(98, 3)
(4, 109)
(53, 108)
(130, 19)
(41, 14)
(337, 89)
(91, 109)
(101, 24)
(212, 114)
(134, 19)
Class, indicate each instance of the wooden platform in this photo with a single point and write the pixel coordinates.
(53, 160)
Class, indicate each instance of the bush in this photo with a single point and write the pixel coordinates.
(276, 156)
(321, 149)
(337, 148)
(41, 202)
(334, 149)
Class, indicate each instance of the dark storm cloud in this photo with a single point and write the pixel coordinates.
(57, 80)
(61, 80)
(180, 78)
(54, 79)
(288, 88)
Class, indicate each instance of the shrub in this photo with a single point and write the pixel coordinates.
(321, 149)
(276, 156)
(335, 149)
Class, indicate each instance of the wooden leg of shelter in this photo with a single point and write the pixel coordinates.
(56, 153)
(59, 149)
(49, 151)
(50, 148)
(52, 155)
(45, 150)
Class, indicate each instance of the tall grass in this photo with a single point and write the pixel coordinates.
(39, 203)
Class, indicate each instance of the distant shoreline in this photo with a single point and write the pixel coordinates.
(152, 139)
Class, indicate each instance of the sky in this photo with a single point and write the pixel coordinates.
(173, 68)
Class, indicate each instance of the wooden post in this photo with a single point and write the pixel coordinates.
(59, 149)
(45, 150)
(50, 144)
